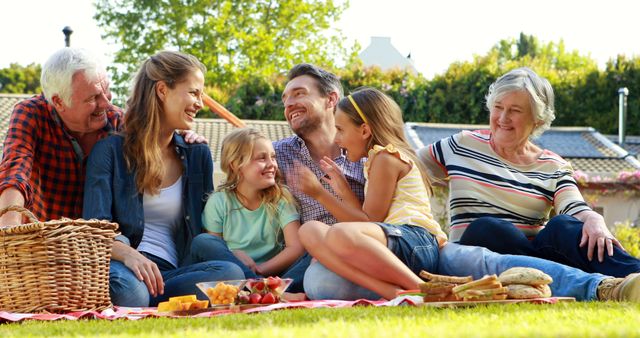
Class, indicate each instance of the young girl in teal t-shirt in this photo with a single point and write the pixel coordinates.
(252, 211)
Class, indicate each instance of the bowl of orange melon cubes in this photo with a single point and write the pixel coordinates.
(219, 293)
(222, 292)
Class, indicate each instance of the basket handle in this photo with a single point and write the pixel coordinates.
(25, 212)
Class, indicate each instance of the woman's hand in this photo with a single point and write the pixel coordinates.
(246, 260)
(595, 233)
(146, 271)
(334, 177)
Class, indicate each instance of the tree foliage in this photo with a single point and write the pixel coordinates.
(237, 40)
(585, 95)
(19, 79)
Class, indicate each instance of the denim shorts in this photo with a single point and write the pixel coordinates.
(415, 246)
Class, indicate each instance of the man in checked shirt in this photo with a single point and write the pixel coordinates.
(310, 98)
(50, 136)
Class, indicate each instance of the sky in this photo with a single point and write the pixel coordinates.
(436, 33)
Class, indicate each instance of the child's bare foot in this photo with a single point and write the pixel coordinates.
(293, 297)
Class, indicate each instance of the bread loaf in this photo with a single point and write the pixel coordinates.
(527, 276)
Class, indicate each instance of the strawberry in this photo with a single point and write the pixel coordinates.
(273, 283)
(258, 286)
(255, 298)
(268, 298)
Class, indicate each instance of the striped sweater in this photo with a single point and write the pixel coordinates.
(483, 184)
(410, 203)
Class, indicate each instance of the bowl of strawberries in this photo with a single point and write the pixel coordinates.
(267, 290)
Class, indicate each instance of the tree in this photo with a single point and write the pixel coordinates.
(236, 39)
(19, 79)
(457, 96)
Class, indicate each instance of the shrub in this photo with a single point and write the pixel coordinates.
(629, 237)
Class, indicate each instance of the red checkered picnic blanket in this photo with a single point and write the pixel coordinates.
(139, 313)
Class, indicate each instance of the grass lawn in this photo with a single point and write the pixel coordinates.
(516, 320)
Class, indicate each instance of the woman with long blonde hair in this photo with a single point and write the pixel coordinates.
(153, 184)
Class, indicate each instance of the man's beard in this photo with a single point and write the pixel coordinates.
(307, 126)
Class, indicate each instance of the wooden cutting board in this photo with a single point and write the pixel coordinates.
(550, 300)
(232, 308)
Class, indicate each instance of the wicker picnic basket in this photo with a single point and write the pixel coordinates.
(55, 266)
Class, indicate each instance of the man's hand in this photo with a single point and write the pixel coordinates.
(146, 271)
(191, 137)
(596, 234)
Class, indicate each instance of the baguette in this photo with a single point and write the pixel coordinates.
(448, 279)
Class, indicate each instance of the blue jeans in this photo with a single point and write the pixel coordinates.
(462, 260)
(206, 247)
(126, 290)
(558, 242)
(413, 245)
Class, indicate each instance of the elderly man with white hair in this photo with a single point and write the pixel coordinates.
(50, 136)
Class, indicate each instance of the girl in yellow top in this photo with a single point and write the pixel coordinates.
(391, 236)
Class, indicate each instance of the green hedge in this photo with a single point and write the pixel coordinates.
(585, 95)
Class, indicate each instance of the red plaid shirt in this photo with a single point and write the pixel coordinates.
(44, 162)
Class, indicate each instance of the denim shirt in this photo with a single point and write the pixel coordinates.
(110, 191)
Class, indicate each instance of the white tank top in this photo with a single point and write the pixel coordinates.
(162, 219)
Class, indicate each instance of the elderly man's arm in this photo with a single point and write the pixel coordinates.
(11, 196)
(17, 162)
(191, 137)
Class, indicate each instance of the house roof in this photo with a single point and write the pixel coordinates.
(214, 130)
(382, 53)
(631, 143)
(584, 147)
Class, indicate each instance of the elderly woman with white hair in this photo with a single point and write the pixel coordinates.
(503, 187)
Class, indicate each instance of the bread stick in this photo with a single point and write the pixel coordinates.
(441, 278)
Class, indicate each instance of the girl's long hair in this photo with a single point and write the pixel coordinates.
(237, 151)
(384, 117)
(142, 126)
